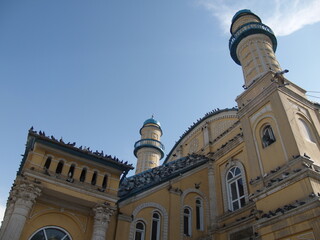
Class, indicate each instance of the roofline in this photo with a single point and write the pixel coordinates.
(34, 137)
(195, 125)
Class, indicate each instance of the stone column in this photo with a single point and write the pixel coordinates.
(23, 195)
(102, 214)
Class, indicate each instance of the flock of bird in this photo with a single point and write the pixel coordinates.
(84, 149)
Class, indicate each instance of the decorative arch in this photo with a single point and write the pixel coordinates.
(229, 165)
(157, 207)
(306, 128)
(42, 232)
(182, 206)
(257, 122)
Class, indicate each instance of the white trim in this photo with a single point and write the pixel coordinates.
(157, 207)
(158, 224)
(55, 227)
(233, 163)
(189, 221)
(182, 206)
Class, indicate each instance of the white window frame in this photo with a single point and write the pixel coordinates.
(55, 227)
(199, 207)
(234, 180)
(143, 231)
(158, 220)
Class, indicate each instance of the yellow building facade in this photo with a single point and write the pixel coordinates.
(251, 172)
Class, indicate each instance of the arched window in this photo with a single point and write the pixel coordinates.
(47, 163)
(140, 231)
(306, 131)
(105, 181)
(71, 171)
(267, 136)
(236, 195)
(48, 233)
(155, 231)
(83, 175)
(59, 167)
(199, 214)
(94, 178)
(187, 221)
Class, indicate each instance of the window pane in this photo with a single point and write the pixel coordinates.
(138, 236)
(39, 236)
(54, 234)
(242, 202)
(235, 205)
(237, 171)
(139, 226)
(234, 194)
(198, 217)
(229, 175)
(154, 230)
(186, 225)
(240, 187)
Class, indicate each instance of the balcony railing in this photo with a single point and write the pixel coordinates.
(246, 30)
(149, 143)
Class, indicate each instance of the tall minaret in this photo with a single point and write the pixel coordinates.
(252, 45)
(149, 150)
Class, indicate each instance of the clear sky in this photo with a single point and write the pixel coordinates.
(93, 71)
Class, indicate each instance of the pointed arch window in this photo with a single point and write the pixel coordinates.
(155, 231)
(94, 178)
(59, 167)
(47, 163)
(71, 171)
(140, 231)
(83, 175)
(199, 214)
(187, 221)
(267, 136)
(105, 181)
(235, 188)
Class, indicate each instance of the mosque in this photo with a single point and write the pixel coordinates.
(251, 172)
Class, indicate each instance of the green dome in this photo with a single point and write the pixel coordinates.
(152, 121)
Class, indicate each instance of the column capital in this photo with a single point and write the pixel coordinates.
(25, 192)
(102, 215)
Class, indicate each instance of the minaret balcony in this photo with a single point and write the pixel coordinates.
(246, 30)
(151, 143)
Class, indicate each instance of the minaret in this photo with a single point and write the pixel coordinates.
(149, 150)
(252, 45)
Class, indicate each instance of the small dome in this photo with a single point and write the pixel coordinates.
(152, 121)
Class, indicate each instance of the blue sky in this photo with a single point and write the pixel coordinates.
(93, 71)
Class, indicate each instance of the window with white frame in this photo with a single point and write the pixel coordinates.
(235, 189)
(139, 231)
(187, 221)
(267, 136)
(156, 223)
(48, 233)
(199, 214)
